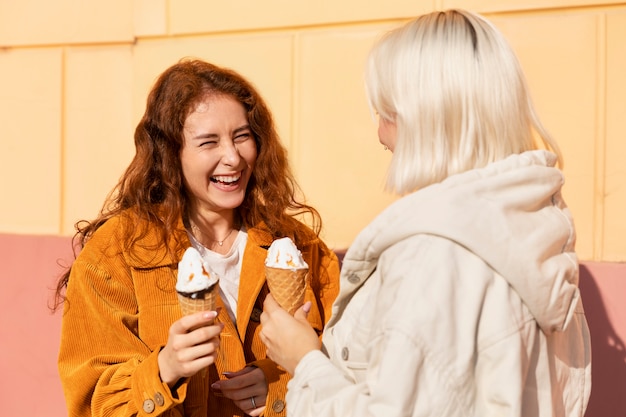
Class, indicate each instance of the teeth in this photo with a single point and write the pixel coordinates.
(226, 179)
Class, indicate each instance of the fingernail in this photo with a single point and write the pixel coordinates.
(210, 315)
(215, 385)
(307, 307)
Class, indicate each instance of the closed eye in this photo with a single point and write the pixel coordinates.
(205, 139)
(242, 137)
(208, 143)
(242, 134)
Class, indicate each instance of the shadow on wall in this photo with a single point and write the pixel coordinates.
(608, 363)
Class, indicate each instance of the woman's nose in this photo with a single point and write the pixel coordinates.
(230, 155)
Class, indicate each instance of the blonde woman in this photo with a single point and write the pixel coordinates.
(461, 298)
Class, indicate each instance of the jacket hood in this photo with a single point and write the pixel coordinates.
(510, 214)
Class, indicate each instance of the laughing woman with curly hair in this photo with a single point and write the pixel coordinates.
(209, 172)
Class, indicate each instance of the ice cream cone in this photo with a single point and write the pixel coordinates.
(287, 286)
(207, 302)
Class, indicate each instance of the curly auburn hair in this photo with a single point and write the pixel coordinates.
(152, 188)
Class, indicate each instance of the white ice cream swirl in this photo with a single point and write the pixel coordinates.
(284, 254)
(194, 274)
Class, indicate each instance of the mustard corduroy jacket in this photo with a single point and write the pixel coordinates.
(118, 310)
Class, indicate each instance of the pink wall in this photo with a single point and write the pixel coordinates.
(29, 345)
(28, 351)
(603, 286)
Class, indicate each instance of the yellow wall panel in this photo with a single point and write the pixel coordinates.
(307, 61)
(150, 17)
(558, 53)
(98, 127)
(614, 245)
(340, 162)
(193, 16)
(30, 131)
(40, 22)
(264, 59)
(519, 5)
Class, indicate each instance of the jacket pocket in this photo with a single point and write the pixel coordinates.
(157, 304)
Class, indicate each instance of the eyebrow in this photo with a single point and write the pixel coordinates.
(214, 135)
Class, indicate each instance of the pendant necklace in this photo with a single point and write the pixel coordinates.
(219, 242)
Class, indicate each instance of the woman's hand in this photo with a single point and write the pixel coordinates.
(287, 338)
(247, 388)
(191, 346)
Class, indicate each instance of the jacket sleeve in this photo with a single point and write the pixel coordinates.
(414, 351)
(105, 368)
(321, 388)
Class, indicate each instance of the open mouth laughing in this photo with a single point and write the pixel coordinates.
(226, 179)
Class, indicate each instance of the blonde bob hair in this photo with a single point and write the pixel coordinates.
(458, 96)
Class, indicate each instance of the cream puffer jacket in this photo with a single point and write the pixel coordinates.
(458, 300)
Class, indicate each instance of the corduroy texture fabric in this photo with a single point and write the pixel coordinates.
(118, 312)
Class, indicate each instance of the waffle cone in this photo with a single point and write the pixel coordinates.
(190, 305)
(287, 286)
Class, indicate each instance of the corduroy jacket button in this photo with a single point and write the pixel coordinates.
(345, 353)
(256, 314)
(148, 406)
(278, 406)
(354, 279)
(158, 399)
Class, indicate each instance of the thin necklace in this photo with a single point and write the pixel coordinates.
(219, 242)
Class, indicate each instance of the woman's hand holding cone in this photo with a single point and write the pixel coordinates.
(287, 338)
(191, 346)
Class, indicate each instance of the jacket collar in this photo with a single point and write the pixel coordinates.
(148, 252)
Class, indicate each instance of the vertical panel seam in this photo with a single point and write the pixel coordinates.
(63, 144)
(168, 18)
(600, 140)
(294, 106)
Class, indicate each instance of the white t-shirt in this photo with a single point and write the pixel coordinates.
(227, 267)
